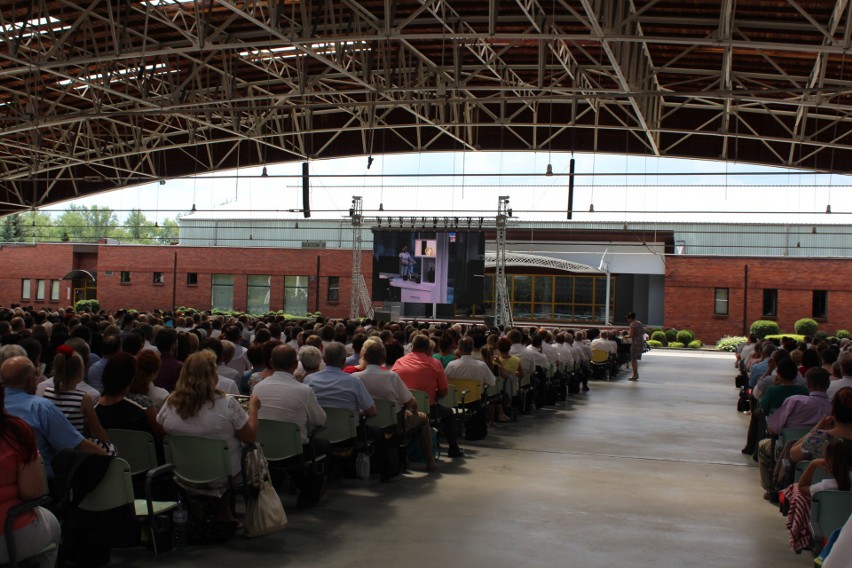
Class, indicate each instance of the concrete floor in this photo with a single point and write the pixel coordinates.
(643, 474)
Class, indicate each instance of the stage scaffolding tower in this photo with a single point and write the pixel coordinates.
(359, 297)
(503, 308)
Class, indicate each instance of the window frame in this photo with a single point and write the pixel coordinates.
(219, 287)
(305, 287)
(253, 287)
(815, 302)
(726, 300)
(26, 289)
(192, 279)
(55, 286)
(158, 281)
(41, 290)
(124, 277)
(332, 295)
(770, 295)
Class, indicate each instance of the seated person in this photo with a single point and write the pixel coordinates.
(142, 388)
(837, 425)
(386, 385)
(53, 431)
(466, 367)
(285, 399)
(115, 408)
(22, 479)
(785, 386)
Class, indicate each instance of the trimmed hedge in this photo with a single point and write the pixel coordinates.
(729, 343)
(659, 337)
(654, 343)
(820, 336)
(685, 336)
(842, 333)
(671, 335)
(806, 326)
(793, 336)
(695, 344)
(762, 328)
(676, 345)
(91, 306)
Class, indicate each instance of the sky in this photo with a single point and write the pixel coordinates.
(463, 184)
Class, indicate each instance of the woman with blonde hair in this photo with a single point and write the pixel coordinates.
(197, 408)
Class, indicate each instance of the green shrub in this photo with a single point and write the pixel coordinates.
(685, 336)
(793, 336)
(842, 333)
(819, 336)
(762, 328)
(654, 343)
(695, 344)
(729, 343)
(676, 345)
(671, 335)
(806, 326)
(658, 336)
(91, 306)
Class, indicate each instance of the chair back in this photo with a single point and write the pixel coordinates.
(386, 417)
(829, 511)
(422, 400)
(198, 460)
(451, 399)
(114, 490)
(136, 448)
(468, 390)
(280, 440)
(819, 475)
(497, 389)
(339, 425)
(600, 356)
(791, 435)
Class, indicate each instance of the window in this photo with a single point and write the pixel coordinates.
(333, 289)
(223, 292)
(720, 303)
(40, 290)
(159, 278)
(819, 307)
(125, 277)
(296, 295)
(54, 290)
(770, 302)
(26, 285)
(192, 279)
(258, 294)
(580, 299)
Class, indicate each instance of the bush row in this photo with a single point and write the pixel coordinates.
(674, 339)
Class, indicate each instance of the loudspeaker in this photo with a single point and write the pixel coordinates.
(306, 194)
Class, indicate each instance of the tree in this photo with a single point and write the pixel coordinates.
(12, 229)
(138, 229)
(82, 224)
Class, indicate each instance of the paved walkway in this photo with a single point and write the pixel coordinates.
(645, 474)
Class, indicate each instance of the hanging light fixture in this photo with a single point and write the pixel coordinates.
(264, 174)
(591, 207)
(549, 171)
(828, 208)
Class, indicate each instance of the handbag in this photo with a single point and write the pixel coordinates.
(743, 404)
(264, 511)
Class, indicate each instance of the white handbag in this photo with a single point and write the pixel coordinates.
(264, 511)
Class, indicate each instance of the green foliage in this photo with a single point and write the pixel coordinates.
(695, 344)
(91, 306)
(793, 336)
(653, 343)
(729, 343)
(671, 335)
(83, 224)
(676, 345)
(819, 336)
(842, 333)
(762, 328)
(12, 232)
(806, 326)
(659, 336)
(685, 336)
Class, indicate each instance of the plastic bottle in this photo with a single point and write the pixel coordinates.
(180, 518)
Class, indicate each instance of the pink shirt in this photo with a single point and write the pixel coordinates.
(421, 372)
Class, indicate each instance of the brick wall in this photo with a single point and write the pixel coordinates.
(35, 262)
(691, 283)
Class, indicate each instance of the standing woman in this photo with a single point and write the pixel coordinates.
(637, 343)
(22, 479)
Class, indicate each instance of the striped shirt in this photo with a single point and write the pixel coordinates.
(70, 403)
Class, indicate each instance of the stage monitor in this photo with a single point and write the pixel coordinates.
(428, 267)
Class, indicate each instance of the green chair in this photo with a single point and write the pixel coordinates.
(422, 400)
(819, 475)
(9, 534)
(386, 417)
(198, 460)
(116, 490)
(790, 435)
(829, 511)
(136, 448)
(280, 440)
(451, 399)
(339, 426)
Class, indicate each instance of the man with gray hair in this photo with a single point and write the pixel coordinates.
(310, 359)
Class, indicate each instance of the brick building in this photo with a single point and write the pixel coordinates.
(712, 278)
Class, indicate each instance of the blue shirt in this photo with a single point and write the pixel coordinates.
(353, 359)
(336, 389)
(757, 371)
(52, 429)
(96, 373)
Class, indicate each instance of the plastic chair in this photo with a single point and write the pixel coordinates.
(600, 362)
(198, 460)
(136, 448)
(790, 435)
(9, 534)
(829, 511)
(339, 426)
(468, 390)
(386, 417)
(819, 475)
(449, 400)
(116, 489)
(422, 400)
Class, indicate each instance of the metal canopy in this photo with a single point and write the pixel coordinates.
(102, 94)
(79, 275)
(536, 261)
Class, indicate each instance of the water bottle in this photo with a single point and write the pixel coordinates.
(180, 518)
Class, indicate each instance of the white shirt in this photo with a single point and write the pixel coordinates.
(157, 395)
(225, 371)
(88, 389)
(549, 352)
(566, 354)
(539, 358)
(837, 385)
(221, 420)
(227, 386)
(385, 385)
(526, 357)
(467, 367)
(284, 398)
(240, 362)
(601, 344)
